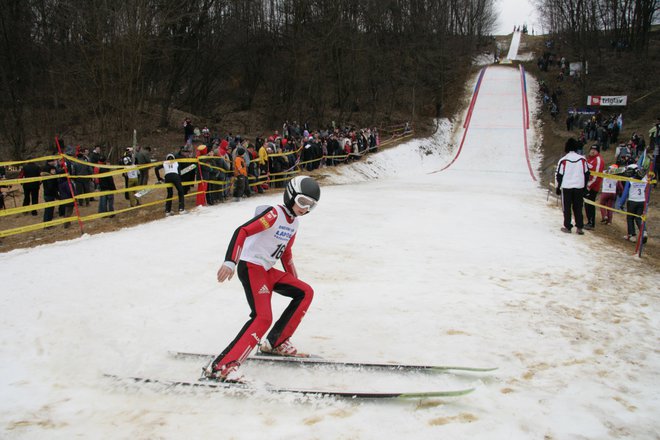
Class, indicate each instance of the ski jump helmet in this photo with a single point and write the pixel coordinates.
(302, 190)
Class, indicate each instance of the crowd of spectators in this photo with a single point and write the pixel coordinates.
(593, 131)
(229, 165)
(266, 160)
(633, 160)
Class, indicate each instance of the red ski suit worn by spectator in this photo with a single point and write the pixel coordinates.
(595, 163)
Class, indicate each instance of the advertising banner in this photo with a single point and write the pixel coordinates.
(607, 100)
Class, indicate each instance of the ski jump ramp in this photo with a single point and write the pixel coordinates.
(513, 48)
(494, 139)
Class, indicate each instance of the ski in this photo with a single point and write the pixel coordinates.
(315, 360)
(244, 388)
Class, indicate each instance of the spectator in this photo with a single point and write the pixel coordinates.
(262, 159)
(84, 172)
(30, 189)
(66, 192)
(254, 169)
(654, 140)
(570, 120)
(131, 155)
(211, 173)
(206, 136)
(51, 190)
(624, 154)
(240, 176)
(172, 176)
(224, 162)
(132, 179)
(188, 131)
(333, 150)
(185, 170)
(95, 155)
(595, 163)
(143, 157)
(3, 176)
(203, 175)
(107, 183)
(572, 175)
(554, 110)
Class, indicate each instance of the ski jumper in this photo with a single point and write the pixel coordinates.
(255, 247)
(636, 192)
(607, 198)
(172, 176)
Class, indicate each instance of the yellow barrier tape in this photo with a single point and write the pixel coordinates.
(619, 177)
(43, 205)
(36, 226)
(90, 164)
(19, 162)
(218, 182)
(29, 208)
(208, 165)
(31, 179)
(598, 205)
(105, 165)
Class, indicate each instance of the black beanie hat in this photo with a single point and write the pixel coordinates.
(571, 145)
(596, 147)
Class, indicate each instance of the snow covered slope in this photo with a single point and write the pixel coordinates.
(513, 47)
(463, 266)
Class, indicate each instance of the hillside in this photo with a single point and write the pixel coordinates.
(464, 266)
(610, 76)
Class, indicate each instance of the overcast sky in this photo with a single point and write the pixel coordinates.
(516, 13)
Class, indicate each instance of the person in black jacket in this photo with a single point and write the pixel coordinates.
(106, 202)
(83, 184)
(171, 167)
(31, 189)
(572, 177)
(51, 191)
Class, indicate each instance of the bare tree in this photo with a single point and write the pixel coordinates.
(92, 68)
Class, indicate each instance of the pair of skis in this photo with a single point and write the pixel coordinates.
(246, 388)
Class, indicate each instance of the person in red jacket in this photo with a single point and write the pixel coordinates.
(253, 251)
(595, 163)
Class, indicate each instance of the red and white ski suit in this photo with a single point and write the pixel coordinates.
(255, 247)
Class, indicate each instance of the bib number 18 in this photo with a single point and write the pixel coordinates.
(279, 251)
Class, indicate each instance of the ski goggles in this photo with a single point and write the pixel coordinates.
(305, 202)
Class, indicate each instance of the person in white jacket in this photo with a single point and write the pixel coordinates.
(572, 176)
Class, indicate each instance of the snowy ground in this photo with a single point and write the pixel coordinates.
(465, 266)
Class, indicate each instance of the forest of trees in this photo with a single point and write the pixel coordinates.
(92, 68)
(99, 65)
(591, 26)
